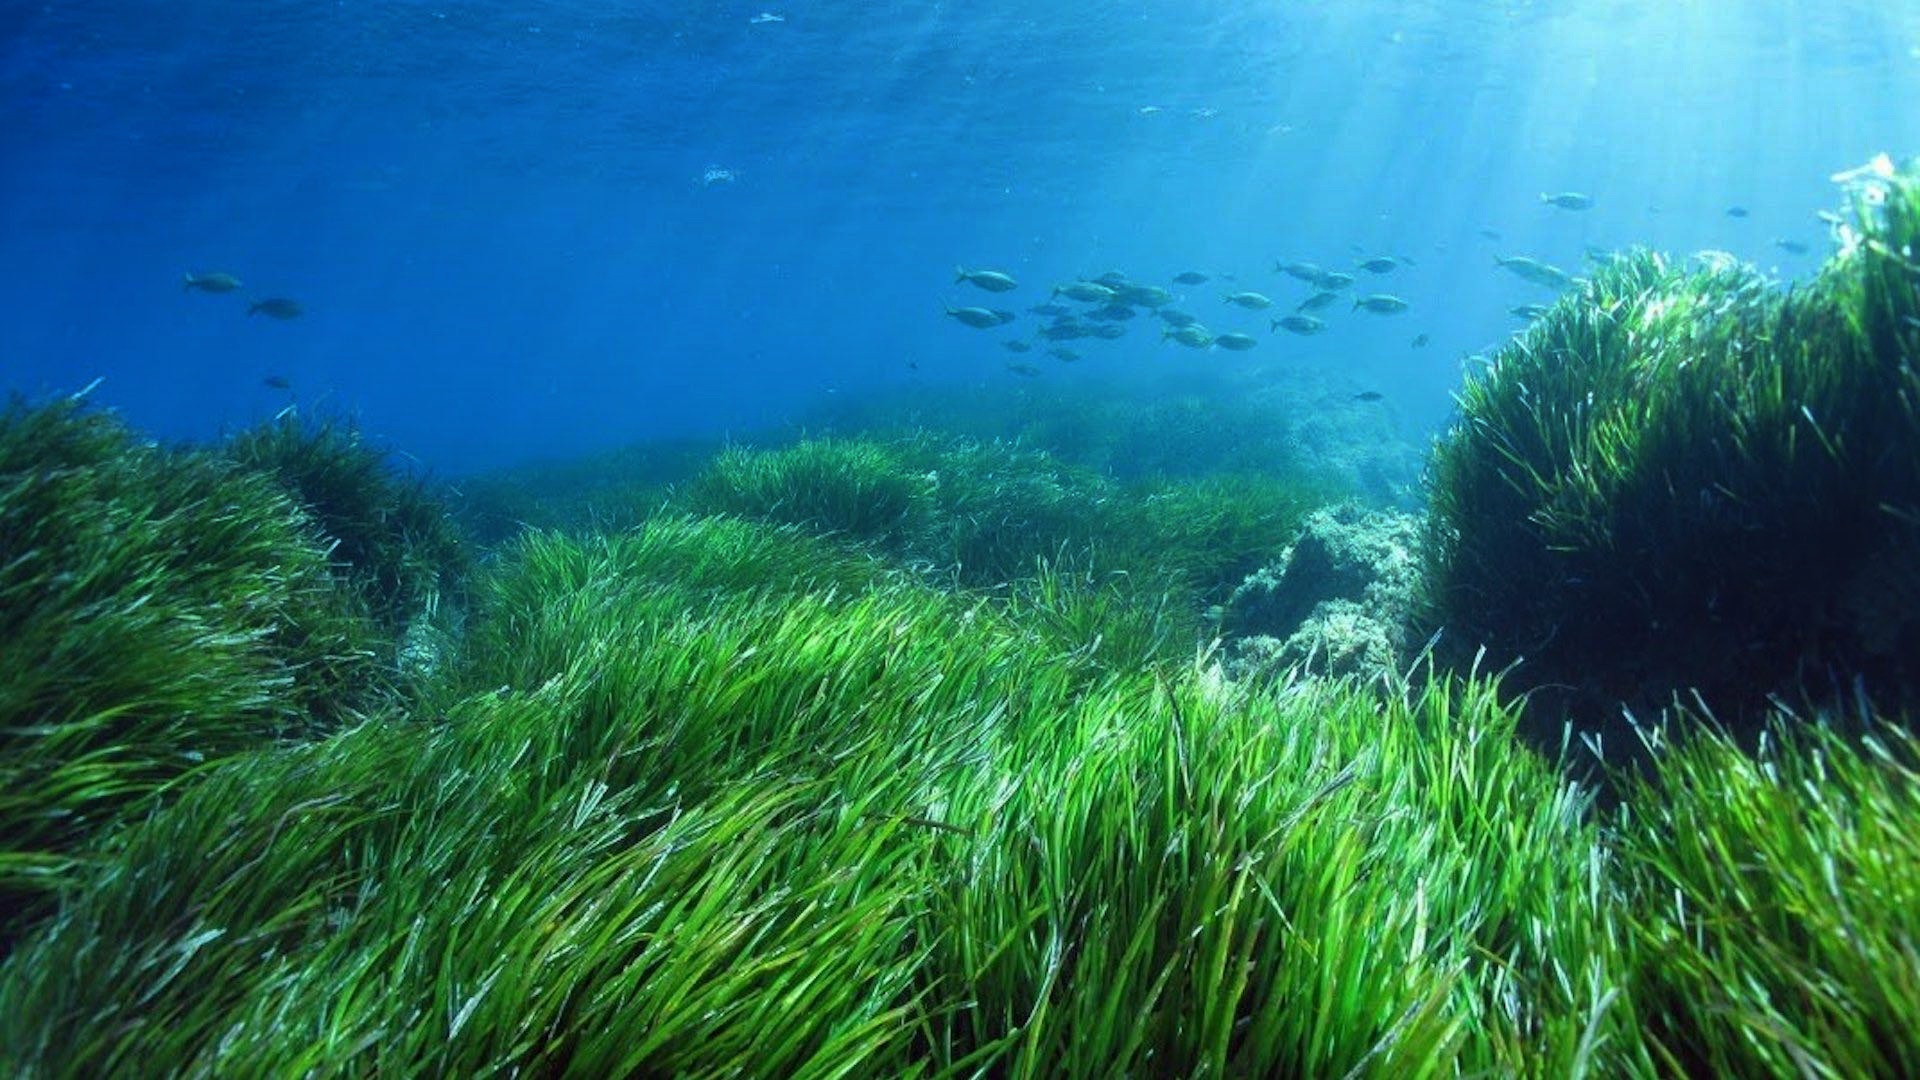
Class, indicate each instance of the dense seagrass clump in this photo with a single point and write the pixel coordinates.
(393, 539)
(1684, 478)
(987, 512)
(160, 609)
(725, 798)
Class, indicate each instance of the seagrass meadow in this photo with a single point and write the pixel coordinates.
(906, 752)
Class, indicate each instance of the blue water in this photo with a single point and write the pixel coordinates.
(495, 218)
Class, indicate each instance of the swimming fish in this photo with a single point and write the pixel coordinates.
(1379, 265)
(213, 282)
(1568, 200)
(1236, 342)
(1381, 304)
(1190, 277)
(1298, 324)
(1193, 336)
(1152, 296)
(278, 307)
(1252, 301)
(990, 280)
(1090, 292)
(1535, 271)
(1420, 341)
(1368, 395)
(1318, 300)
(977, 317)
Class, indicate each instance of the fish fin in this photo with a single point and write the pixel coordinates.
(187, 281)
(959, 274)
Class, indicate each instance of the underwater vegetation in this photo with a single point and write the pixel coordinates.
(908, 752)
(986, 513)
(712, 795)
(1681, 478)
(392, 536)
(162, 610)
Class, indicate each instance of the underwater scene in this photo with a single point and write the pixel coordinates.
(1214, 539)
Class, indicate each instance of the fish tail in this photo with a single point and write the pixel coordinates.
(188, 281)
(254, 308)
(1273, 325)
(959, 274)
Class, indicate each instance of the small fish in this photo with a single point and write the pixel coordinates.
(765, 18)
(1089, 292)
(1252, 301)
(1051, 309)
(1491, 234)
(1535, 271)
(1190, 277)
(1381, 304)
(1596, 253)
(277, 307)
(1109, 331)
(990, 280)
(1420, 341)
(1063, 354)
(1379, 265)
(1568, 200)
(1194, 336)
(1368, 395)
(1112, 279)
(1529, 311)
(1332, 281)
(977, 317)
(1176, 317)
(1111, 313)
(1236, 342)
(277, 382)
(1152, 296)
(1791, 247)
(1736, 211)
(1026, 371)
(1298, 324)
(1318, 300)
(213, 282)
(1016, 346)
(1305, 271)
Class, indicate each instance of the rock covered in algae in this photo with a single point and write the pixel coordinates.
(1337, 602)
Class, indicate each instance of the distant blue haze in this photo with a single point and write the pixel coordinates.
(494, 216)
